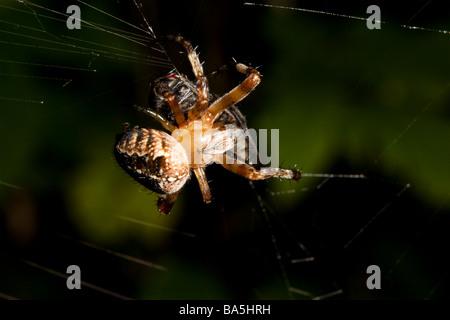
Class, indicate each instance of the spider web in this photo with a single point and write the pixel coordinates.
(346, 100)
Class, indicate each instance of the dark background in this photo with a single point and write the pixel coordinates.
(345, 99)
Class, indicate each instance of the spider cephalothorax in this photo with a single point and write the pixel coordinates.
(203, 130)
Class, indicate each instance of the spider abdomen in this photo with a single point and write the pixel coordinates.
(153, 158)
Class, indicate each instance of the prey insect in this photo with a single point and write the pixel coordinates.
(200, 134)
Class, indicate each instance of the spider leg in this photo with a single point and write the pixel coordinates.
(166, 202)
(125, 127)
(202, 85)
(235, 95)
(172, 101)
(252, 173)
(158, 117)
(204, 187)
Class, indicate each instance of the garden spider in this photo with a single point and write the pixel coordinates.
(200, 135)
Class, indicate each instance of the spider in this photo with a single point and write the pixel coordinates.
(199, 134)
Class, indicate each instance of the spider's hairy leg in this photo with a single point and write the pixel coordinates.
(166, 202)
(252, 173)
(172, 101)
(158, 117)
(204, 187)
(202, 84)
(235, 95)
